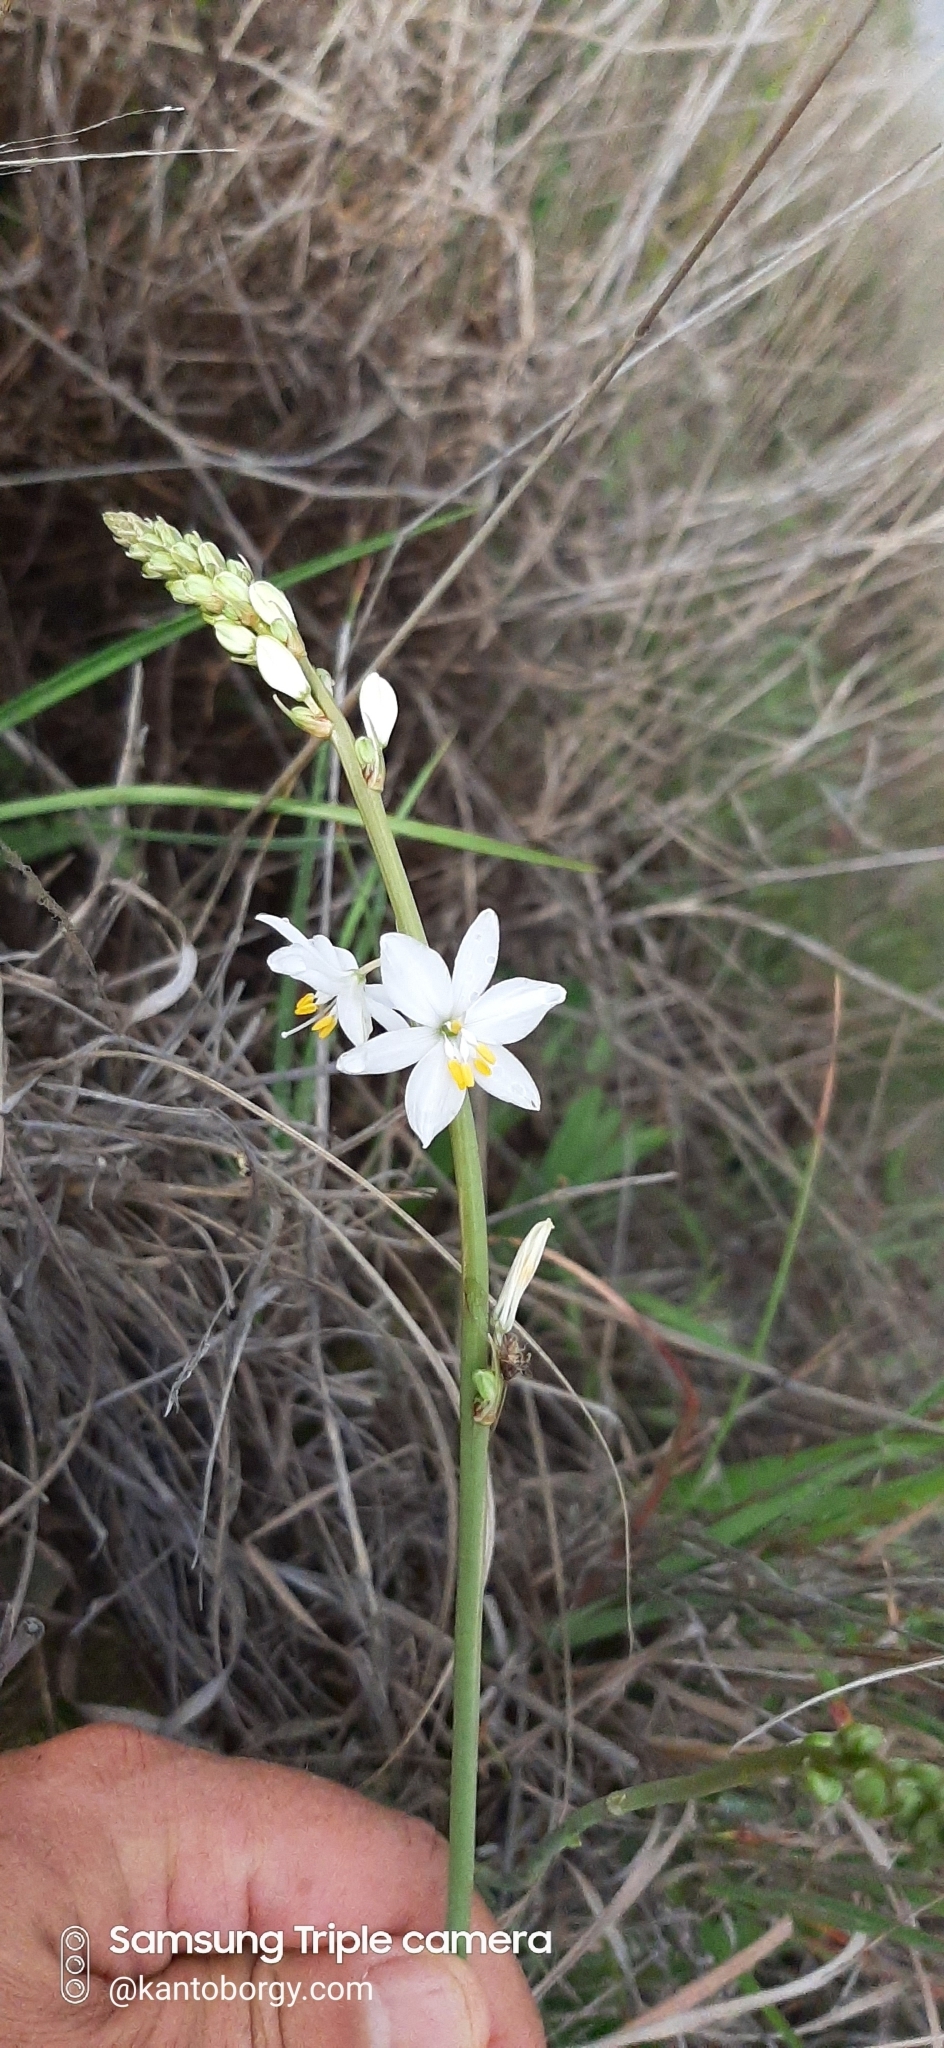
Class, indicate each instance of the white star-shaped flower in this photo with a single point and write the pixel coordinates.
(460, 1029)
(339, 991)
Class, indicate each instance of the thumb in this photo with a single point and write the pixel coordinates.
(425, 2001)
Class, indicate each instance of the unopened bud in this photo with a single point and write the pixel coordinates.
(237, 640)
(212, 562)
(269, 604)
(233, 589)
(280, 668)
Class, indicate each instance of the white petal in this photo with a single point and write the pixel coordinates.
(316, 961)
(353, 1014)
(521, 1272)
(279, 668)
(282, 925)
(511, 1009)
(383, 1011)
(389, 1052)
(270, 604)
(415, 979)
(378, 707)
(292, 960)
(510, 1081)
(475, 961)
(432, 1097)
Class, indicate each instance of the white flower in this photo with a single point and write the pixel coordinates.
(339, 994)
(270, 604)
(460, 1030)
(520, 1274)
(279, 668)
(377, 703)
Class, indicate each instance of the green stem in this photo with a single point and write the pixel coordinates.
(473, 1498)
(748, 1769)
(473, 1358)
(373, 816)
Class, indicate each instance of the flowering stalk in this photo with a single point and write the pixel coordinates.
(473, 1353)
(255, 624)
(474, 1436)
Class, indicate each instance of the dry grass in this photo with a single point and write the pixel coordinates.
(704, 654)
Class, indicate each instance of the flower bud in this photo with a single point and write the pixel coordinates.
(521, 1272)
(199, 590)
(237, 640)
(233, 589)
(270, 604)
(209, 557)
(377, 703)
(279, 668)
(159, 565)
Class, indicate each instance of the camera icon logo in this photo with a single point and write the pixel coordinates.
(74, 1965)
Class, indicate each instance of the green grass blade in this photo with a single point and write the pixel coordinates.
(177, 795)
(94, 668)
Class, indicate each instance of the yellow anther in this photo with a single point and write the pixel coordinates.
(484, 1060)
(325, 1025)
(305, 1005)
(461, 1072)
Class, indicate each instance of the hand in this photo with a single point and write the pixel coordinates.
(107, 1828)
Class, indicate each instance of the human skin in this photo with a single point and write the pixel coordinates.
(109, 1827)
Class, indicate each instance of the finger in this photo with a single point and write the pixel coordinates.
(107, 1827)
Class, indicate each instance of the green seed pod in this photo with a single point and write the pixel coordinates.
(821, 1743)
(859, 1741)
(927, 1833)
(823, 1787)
(869, 1791)
(929, 1777)
(908, 1803)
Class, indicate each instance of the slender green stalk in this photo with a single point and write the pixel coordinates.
(473, 1358)
(749, 1768)
(286, 1051)
(473, 1498)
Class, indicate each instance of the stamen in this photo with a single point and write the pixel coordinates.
(325, 1025)
(484, 1060)
(306, 1005)
(461, 1072)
